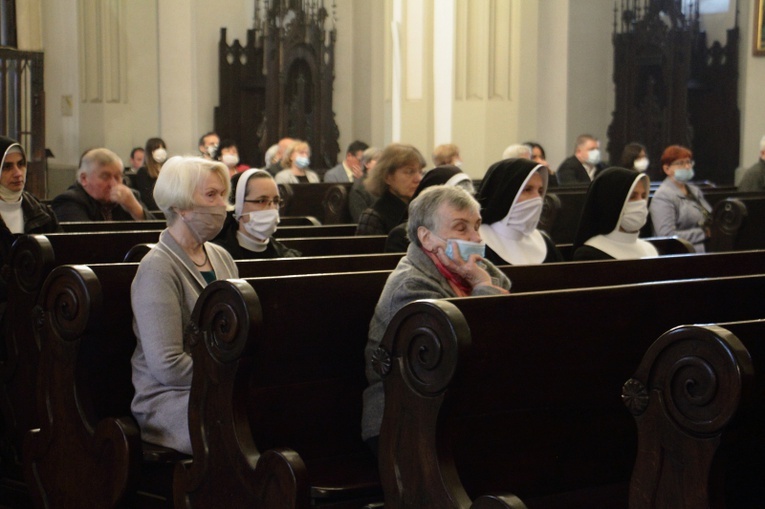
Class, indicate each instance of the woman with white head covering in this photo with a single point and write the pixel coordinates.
(20, 211)
(248, 234)
(511, 197)
(615, 210)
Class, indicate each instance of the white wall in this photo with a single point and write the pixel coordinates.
(559, 75)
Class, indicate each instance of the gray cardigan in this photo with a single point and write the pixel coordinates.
(163, 295)
(415, 277)
(673, 213)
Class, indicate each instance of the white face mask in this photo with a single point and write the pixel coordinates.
(593, 156)
(159, 155)
(641, 164)
(524, 216)
(262, 223)
(634, 216)
(230, 160)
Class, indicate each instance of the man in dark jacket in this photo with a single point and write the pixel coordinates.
(99, 193)
(582, 167)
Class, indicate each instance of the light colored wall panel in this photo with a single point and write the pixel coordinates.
(500, 49)
(414, 53)
(62, 79)
(113, 41)
(476, 49)
(751, 102)
(29, 25)
(417, 112)
(90, 51)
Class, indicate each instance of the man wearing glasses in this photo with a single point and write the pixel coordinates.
(248, 232)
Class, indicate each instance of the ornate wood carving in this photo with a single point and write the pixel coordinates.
(280, 83)
(673, 89)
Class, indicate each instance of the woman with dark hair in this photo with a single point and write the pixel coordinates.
(228, 153)
(511, 197)
(146, 176)
(394, 179)
(615, 210)
(248, 234)
(634, 157)
(442, 175)
(678, 207)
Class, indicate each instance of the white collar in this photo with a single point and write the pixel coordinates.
(622, 245)
(512, 246)
(249, 243)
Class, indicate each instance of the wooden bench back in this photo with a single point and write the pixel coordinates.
(328, 202)
(697, 401)
(739, 223)
(520, 393)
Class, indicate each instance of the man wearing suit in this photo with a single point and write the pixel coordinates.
(582, 167)
(350, 169)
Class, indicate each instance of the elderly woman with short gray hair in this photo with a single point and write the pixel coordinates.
(444, 259)
(192, 192)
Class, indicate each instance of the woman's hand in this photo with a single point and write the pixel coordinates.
(473, 271)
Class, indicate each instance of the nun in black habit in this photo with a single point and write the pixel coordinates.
(511, 197)
(615, 209)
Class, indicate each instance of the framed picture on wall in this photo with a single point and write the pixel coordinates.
(759, 28)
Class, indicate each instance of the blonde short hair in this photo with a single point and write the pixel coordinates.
(393, 157)
(296, 145)
(444, 154)
(178, 180)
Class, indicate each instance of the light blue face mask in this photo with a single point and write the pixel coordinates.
(466, 248)
(302, 161)
(684, 174)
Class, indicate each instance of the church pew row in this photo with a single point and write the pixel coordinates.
(285, 295)
(35, 259)
(114, 226)
(696, 398)
(99, 247)
(491, 395)
(563, 208)
(739, 223)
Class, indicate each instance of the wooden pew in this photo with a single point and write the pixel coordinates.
(328, 202)
(562, 212)
(87, 451)
(738, 223)
(697, 401)
(326, 230)
(519, 393)
(295, 349)
(114, 226)
(287, 284)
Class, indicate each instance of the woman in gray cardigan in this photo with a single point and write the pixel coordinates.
(192, 192)
(443, 260)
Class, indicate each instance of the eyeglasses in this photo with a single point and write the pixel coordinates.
(267, 202)
(682, 162)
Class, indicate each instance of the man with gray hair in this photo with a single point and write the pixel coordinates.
(444, 259)
(754, 177)
(517, 151)
(99, 193)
